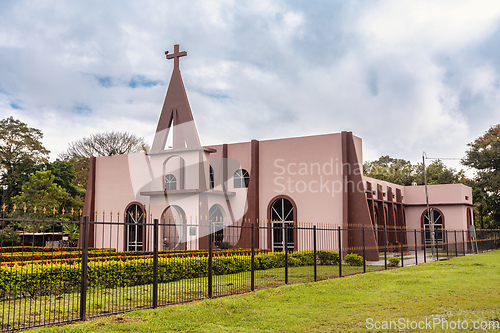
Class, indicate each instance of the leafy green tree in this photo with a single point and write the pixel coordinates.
(21, 152)
(402, 172)
(394, 170)
(80, 167)
(65, 176)
(9, 236)
(438, 173)
(41, 191)
(484, 156)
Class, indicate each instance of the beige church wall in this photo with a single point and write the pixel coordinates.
(113, 183)
(240, 152)
(439, 194)
(114, 192)
(297, 168)
(454, 216)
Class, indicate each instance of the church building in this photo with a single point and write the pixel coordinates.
(315, 179)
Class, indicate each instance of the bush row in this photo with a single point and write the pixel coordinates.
(98, 253)
(56, 279)
(11, 249)
(37, 260)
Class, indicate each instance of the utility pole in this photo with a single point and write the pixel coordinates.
(430, 213)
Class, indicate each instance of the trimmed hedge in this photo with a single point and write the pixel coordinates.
(127, 257)
(102, 253)
(11, 249)
(61, 278)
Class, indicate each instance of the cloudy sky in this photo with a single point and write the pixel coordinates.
(406, 76)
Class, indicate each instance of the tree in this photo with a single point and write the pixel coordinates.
(21, 152)
(41, 191)
(402, 172)
(484, 156)
(105, 144)
(81, 168)
(438, 173)
(397, 171)
(65, 176)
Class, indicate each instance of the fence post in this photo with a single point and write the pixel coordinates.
(155, 264)
(416, 247)
(285, 228)
(437, 245)
(385, 247)
(463, 242)
(456, 250)
(422, 231)
(364, 252)
(401, 244)
(447, 244)
(252, 260)
(314, 254)
(210, 259)
(340, 252)
(481, 238)
(83, 284)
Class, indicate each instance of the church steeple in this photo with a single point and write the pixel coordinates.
(176, 116)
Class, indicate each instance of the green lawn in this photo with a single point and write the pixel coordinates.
(464, 288)
(35, 311)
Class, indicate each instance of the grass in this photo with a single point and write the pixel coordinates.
(465, 288)
(46, 309)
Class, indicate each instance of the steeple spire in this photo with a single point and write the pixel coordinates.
(176, 113)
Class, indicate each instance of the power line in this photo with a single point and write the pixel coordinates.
(443, 158)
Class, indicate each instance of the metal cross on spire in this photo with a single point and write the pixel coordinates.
(176, 55)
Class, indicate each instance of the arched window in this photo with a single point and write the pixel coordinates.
(211, 183)
(436, 218)
(174, 228)
(134, 220)
(170, 182)
(282, 215)
(241, 178)
(216, 219)
(174, 168)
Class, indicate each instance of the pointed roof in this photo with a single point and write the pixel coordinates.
(176, 113)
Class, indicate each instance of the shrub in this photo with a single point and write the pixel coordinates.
(56, 278)
(224, 245)
(353, 259)
(9, 236)
(393, 262)
(326, 257)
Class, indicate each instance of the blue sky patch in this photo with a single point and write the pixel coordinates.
(104, 81)
(80, 108)
(214, 94)
(16, 106)
(140, 81)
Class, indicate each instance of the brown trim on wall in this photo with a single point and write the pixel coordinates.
(356, 212)
(225, 180)
(441, 204)
(345, 173)
(89, 204)
(253, 199)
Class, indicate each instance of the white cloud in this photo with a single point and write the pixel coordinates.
(406, 76)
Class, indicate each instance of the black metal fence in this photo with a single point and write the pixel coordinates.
(145, 265)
